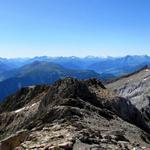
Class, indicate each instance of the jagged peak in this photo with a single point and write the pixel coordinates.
(68, 88)
(94, 82)
(89, 82)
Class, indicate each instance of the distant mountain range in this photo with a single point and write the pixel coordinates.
(20, 72)
(121, 66)
(111, 65)
(38, 72)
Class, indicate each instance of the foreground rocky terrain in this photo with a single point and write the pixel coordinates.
(136, 88)
(71, 114)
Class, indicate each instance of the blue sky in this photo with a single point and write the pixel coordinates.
(74, 27)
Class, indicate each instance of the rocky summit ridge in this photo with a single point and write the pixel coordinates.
(71, 114)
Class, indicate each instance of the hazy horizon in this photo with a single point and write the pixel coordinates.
(87, 56)
(23, 54)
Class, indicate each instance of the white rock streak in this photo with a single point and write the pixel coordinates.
(25, 108)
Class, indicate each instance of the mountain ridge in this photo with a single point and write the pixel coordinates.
(71, 114)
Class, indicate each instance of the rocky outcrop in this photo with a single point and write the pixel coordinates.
(136, 88)
(73, 114)
(23, 97)
(14, 140)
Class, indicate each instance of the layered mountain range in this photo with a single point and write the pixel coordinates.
(22, 72)
(111, 65)
(71, 114)
(38, 72)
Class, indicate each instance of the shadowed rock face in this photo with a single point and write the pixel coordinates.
(136, 88)
(22, 97)
(68, 89)
(70, 114)
(14, 140)
(71, 91)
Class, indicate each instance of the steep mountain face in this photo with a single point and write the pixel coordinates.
(39, 73)
(71, 114)
(136, 88)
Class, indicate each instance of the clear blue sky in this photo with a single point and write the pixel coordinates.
(74, 27)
